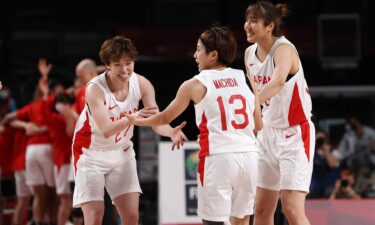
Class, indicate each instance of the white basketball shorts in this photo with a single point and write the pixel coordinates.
(61, 179)
(116, 170)
(227, 185)
(286, 157)
(22, 190)
(39, 165)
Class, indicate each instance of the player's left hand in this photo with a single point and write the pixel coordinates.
(178, 137)
(147, 112)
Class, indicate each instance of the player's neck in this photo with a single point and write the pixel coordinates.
(265, 45)
(218, 67)
(114, 86)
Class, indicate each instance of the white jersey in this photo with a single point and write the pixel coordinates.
(292, 104)
(225, 114)
(87, 134)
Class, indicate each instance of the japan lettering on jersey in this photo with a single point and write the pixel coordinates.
(292, 104)
(225, 115)
(88, 135)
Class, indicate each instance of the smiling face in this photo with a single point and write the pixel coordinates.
(256, 30)
(121, 70)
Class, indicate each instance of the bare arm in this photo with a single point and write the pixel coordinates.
(29, 127)
(95, 100)
(330, 159)
(257, 113)
(70, 118)
(283, 64)
(8, 118)
(174, 109)
(148, 99)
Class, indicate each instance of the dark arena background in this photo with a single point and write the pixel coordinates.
(335, 41)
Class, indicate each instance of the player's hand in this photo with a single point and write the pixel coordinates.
(32, 129)
(134, 119)
(178, 137)
(1, 85)
(44, 68)
(147, 112)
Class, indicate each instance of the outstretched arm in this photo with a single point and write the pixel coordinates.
(162, 127)
(174, 109)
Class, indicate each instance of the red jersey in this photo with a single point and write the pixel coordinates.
(33, 113)
(19, 150)
(6, 142)
(79, 103)
(61, 142)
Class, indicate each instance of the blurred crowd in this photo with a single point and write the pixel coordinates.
(345, 169)
(35, 147)
(341, 170)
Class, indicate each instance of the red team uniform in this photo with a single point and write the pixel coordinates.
(19, 162)
(39, 165)
(61, 144)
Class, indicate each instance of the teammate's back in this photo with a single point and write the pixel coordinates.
(225, 114)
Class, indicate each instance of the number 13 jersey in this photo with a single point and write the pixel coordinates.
(225, 114)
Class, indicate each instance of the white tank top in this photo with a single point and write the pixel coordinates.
(87, 134)
(292, 104)
(225, 114)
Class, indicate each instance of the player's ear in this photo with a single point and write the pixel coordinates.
(271, 26)
(214, 55)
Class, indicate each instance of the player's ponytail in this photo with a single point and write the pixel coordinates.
(282, 10)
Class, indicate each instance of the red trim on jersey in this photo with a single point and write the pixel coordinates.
(296, 114)
(81, 140)
(201, 169)
(305, 128)
(203, 137)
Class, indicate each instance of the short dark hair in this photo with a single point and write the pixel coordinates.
(65, 98)
(113, 49)
(222, 40)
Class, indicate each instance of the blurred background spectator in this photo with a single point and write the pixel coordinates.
(326, 168)
(345, 186)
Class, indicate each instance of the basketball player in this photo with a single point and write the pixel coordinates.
(224, 109)
(85, 71)
(287, 139)
(102, 148)
(39, 166)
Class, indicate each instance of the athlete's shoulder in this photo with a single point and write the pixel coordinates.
(142, 80)
(251, 48)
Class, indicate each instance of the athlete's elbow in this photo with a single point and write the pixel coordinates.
(280, 82)
(106, 135)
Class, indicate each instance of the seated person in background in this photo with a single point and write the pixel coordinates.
(356, 151)
(344, 187)
(326, 168)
